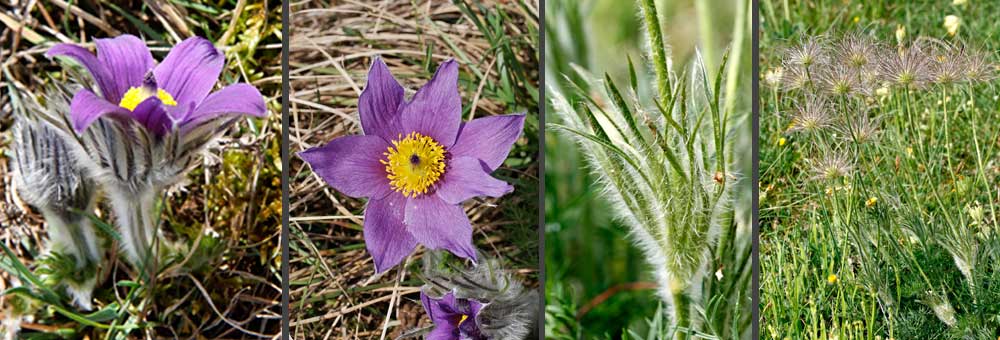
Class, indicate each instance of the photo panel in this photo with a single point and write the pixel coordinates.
(139, 158)
(413, 194)
(648, 169)
(878, 182)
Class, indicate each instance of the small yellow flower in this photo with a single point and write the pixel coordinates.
(960, 3)
(900, 34)
(871, 202)
(952, 23)
(782, 141)
(832, 279)
(857, 19)
(829, 191)
(909, 151)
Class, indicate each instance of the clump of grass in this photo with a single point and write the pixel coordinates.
(667, 166)
(220, 277)
(334, 289)
(895, 212)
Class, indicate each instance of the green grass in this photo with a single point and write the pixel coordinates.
(931, 169)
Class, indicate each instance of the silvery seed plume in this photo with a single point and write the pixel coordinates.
(809, 52)
(49, 179)
(860, 129)
(842, 81)
(831, 165)
(909, 68)
(510, 310)
(857, 51)
(947, 65)
(134, 167)
(812, 116)
(796, 78)
(977, 67)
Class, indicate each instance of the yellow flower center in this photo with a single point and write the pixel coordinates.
(463, 319)
(136, 95)
(414, 164)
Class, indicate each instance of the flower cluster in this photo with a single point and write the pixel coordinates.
(857, 65)
(836, 82)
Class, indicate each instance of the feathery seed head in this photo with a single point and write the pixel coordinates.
(910, 68)
(811, 116)
(831, 166)
(810, 51)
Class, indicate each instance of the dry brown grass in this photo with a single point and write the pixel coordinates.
(333, 291)
(230, 287)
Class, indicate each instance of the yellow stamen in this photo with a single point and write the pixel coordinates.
(463, 319)
(414, 164)
(136, 95)
(831, 279)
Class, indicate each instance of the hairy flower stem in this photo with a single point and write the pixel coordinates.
(72, 234)
(681, 309)
(135, 211)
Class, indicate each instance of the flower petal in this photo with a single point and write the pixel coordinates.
(97, 70)
(151, 114)
(436, 109)
(190, 70)
(236, 99)
(437, 224)
(465, 178)
(127, 60)
(379, 103)
(87, 107)
(441, 312)
(489, 138)
(351, 165)
(385, 235)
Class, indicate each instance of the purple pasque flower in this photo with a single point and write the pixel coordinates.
(173, 94)
(454, 318)
(417, 162)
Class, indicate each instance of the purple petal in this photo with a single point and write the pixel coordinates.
(436, 109)
(443, 310)
(443, 332)
(151, 114)
(127, 60)
(351, 165)
(385, 235)
(379, 103)
(234, 99)
(489, 138)
(437, 224)
(466, 178)
(87, 107)
(442, 313)
(89, 61)
(190, 70)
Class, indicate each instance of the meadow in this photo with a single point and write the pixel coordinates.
(878, 170)
(221, 276)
